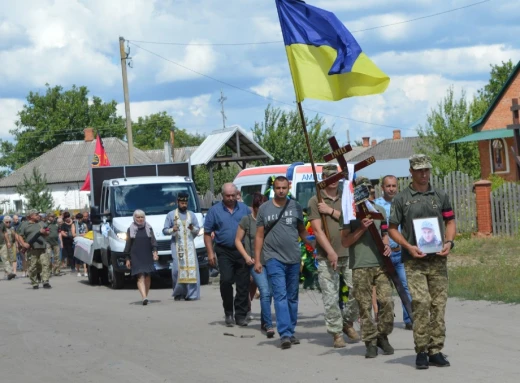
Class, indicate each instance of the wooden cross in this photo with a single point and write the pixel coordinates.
(361, 194)
(338, 153)
(516, 134)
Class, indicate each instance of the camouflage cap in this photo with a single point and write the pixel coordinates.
(420, 161)
(427, 225)
(363, 181)
(329, 170)
(31, 212)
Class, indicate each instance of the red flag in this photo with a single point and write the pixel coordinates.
(100, 159)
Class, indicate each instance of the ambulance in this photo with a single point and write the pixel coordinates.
(252, 180)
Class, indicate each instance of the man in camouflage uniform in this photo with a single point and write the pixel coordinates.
(333, 262)
(427, 274)
(5, 248)
(36, 255)
(368, 271)
(428, 238)
(53, 245)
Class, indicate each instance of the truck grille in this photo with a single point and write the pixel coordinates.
(163, 246)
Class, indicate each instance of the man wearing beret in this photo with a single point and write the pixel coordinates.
(427, 274)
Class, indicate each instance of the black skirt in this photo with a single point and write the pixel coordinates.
(141, 255)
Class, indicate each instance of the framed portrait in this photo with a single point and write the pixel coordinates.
(428, 235)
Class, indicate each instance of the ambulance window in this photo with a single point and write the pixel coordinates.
(304, 192)
(248, 191)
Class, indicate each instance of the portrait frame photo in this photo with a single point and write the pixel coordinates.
(428, 235)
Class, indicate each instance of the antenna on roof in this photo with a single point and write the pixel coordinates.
(221, 101)
(348, 137)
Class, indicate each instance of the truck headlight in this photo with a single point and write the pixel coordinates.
(120, 234)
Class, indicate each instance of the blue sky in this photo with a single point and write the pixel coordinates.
(65, 42)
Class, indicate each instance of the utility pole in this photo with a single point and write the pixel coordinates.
(129, 138)
(348, 137)
(221, 100)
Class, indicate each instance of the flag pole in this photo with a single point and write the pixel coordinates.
(309, 150)
(304, 126)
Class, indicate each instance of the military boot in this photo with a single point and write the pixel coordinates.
(339, 342)
(348, 329)
(421, 362)
(439, 360)
(384, 344)
(371, 350)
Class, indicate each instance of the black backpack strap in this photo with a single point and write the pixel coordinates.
(269, 228)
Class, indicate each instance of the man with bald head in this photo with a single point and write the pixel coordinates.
(222, 220)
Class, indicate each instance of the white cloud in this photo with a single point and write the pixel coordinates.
(274, 87)
(193, 112)
(393, 33)
(455, 61)
(197, 58)
(9, 108)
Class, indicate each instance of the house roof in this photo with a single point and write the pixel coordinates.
(390, 149)
(70, 161)
(475, 125)
(179, 154)
(485, 135)
(249, 149)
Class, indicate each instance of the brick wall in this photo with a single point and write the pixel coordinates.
(499, 118)
(483, 202)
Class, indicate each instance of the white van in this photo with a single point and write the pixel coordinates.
(252, 180)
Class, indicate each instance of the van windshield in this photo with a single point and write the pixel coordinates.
(151, 198)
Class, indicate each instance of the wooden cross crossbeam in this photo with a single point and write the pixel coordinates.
(515, 109)
(338, 153)
(362, 212)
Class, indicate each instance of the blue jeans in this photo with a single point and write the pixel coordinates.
(399, 268)
(285, 283)
(266, 296)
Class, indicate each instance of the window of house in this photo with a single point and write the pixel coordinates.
(499, 156)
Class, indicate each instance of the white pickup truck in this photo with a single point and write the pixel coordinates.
(116, 192)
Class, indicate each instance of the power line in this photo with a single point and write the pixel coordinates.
(257, 94)
(280, 41)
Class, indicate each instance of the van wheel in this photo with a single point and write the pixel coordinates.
(115, 280)
(93, 275)
(103, 274)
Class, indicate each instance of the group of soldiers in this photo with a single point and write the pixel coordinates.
(351, 252)
(36, 240)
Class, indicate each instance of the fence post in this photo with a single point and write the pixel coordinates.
(483, 202)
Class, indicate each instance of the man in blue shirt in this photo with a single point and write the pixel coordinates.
(389, 188)
(222, 220)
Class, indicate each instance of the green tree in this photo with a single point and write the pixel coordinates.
(36, 192)
(281, 135)
(220, 177)
(498, 76)
(58, 115)
(448, 122)
(451, 120)
(150, 132)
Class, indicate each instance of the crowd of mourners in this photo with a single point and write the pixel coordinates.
(258, 250)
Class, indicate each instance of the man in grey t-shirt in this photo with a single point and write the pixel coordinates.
(279, 224)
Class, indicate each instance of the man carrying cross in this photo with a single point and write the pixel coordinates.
(368, 270)
(333, 261)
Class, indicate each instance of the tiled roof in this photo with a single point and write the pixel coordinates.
(390, 149)
(70, 161)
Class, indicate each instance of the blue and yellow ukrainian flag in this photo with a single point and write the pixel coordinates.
(326, 61)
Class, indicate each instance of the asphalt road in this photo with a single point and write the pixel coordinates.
(79, 333)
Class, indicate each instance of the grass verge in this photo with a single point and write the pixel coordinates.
(486, 269)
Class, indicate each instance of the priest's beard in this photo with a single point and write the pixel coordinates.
(183, 209)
